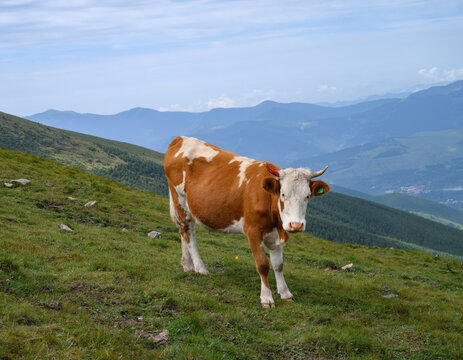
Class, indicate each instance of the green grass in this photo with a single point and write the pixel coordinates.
(129, 164)
(78, 295)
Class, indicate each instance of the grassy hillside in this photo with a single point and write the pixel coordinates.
(99, 291)
(423, 207)
(343, 218)
(129, 164)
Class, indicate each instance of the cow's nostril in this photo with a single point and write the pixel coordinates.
(296, 226)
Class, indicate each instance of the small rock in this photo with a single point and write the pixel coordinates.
(157, 339)
(373, 275)
(21, 181)
(154, 234)
(8, 185)
(90, 203)
(390, 296)
(124, 230)
(348, 266)
(161, 338)
(72, 198)
(140, 318)
(65, 227)
(49, 185)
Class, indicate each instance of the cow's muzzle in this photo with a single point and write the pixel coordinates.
(296, 227)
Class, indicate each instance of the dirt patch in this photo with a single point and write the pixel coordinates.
(76, 287)
(55, 206)
(53, 305)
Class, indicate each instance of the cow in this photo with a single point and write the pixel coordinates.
(228, 193)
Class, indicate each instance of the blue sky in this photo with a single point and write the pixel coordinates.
(111, 55)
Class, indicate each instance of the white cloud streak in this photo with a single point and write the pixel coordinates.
(50, 21)
(434, 74)
(329, 89)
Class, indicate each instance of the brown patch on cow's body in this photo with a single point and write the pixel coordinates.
(215, 189)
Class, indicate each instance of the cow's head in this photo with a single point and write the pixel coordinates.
(294, 188)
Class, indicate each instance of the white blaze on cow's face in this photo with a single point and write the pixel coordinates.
(294, 196)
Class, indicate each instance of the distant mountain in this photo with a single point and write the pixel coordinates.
(391, 95)
(126, 163)
(282, 133)
(298, 134)
(230, 128)
(428, 164)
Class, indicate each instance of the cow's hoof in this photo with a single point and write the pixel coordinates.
(203, 272)
(268, 305)
(288, 299)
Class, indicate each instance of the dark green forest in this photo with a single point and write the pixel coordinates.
(343, 218)
(143, 174)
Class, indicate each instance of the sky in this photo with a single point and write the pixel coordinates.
(108, 56)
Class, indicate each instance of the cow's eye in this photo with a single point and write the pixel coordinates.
(283, 196)
(307, 197)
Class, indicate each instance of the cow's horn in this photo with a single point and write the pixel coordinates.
(273, 171)
(318, 173)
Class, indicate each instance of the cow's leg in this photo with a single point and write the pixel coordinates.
(179, 217)
(263, 268)
(276, 258)
(190, 237)
(191, 261)
(187, 262)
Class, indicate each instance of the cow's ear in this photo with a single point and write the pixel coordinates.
(272, 185)
(318, 188)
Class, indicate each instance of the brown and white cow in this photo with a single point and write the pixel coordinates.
(229, 193)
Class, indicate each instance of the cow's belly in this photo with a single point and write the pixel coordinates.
(216, 202)
(235, 227)
(217, 217)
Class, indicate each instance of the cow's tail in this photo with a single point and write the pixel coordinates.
(173, 212)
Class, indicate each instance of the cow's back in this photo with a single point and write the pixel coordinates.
(209, 178)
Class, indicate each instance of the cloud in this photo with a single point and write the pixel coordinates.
(50, 21)
(220, 102)
(257, 96)
(328, 89)
(435, 74)
(27, 22)
(456, 188)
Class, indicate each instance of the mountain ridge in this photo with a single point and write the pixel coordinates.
(297, 129)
